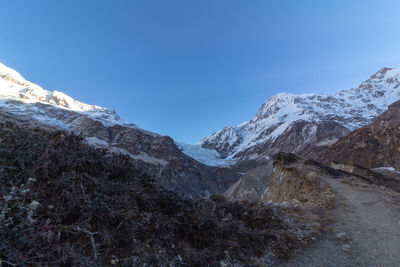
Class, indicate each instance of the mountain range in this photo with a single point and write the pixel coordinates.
(80, 185)
(298, 123)
(156, 155)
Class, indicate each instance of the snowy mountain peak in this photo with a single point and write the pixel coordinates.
(380, 74)
(10, 73)
(277, 105)
(386, 78)
(350, 109)
(14, 87)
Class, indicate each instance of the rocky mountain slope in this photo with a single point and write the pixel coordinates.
(156, 155)
(372, 146)
(297, 123)
(66, 203)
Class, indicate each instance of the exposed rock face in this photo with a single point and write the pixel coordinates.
(251, 185)
(296, 123)
(156, 155)
(375, 145)
(298, 181)
(299, 138)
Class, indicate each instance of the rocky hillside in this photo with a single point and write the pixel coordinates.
(156, 155)
(297, 123)
(65, 203)
(372, 146)
(251, 184)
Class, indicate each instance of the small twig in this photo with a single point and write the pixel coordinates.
(9, 263)
(126, 218)
(93, 246)
(91, 234)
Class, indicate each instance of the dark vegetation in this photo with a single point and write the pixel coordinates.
(65, 203)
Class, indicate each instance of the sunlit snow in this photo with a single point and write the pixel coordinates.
(351, 108)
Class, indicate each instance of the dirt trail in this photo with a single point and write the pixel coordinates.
(365, 229)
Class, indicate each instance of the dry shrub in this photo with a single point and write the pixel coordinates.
(66, 203)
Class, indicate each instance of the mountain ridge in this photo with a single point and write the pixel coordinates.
(156, 155)
(375, 145)
(16, 87)
(350, 109)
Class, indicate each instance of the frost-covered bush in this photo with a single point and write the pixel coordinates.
(65, 203)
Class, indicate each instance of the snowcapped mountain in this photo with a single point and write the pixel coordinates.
(15, 87)
(285, 122)
(376, 145)
(296, 123)
(28, 104)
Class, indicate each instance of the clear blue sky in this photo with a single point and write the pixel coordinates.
(186, 68)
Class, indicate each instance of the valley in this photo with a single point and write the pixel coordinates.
(310, 180)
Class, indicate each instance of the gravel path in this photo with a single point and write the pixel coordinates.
(365, 229)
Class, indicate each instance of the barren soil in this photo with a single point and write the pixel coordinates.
(365, 229)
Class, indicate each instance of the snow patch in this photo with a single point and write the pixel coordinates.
(390, 169)
(99, 143)
(327, 142)
(141, 156)
(96, 142)
(149, 159)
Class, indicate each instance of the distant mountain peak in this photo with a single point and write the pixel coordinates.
(381, 73)
(15, 87)
(346, 109)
